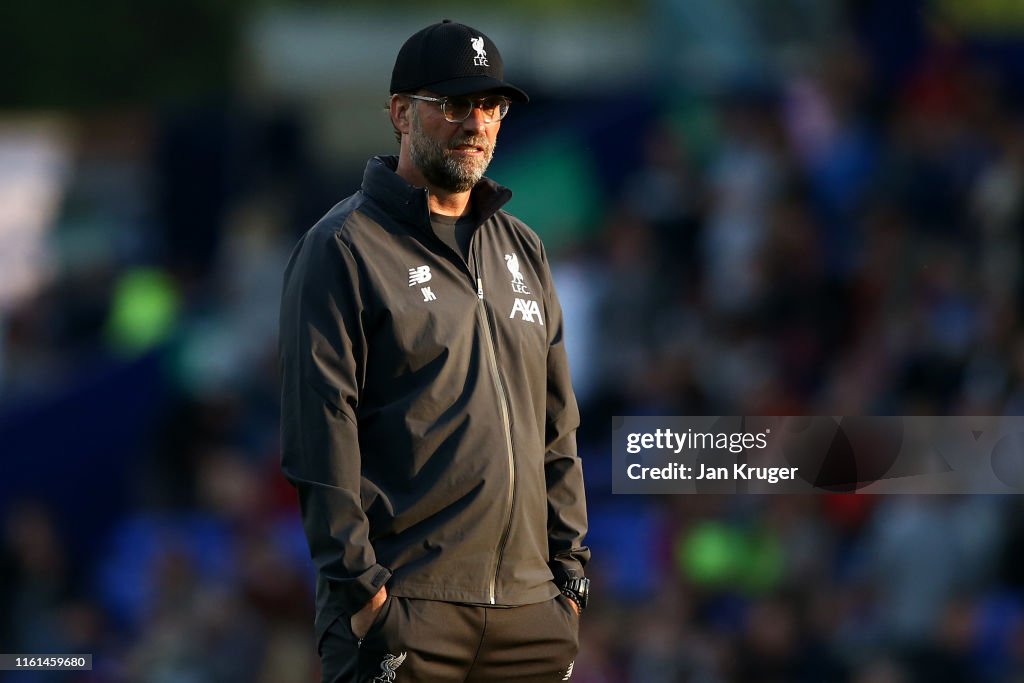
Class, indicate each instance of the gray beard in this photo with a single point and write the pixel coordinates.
(439, 167)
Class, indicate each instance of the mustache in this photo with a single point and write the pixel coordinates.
(481, 142)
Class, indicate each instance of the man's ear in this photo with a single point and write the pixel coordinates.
(401, 113)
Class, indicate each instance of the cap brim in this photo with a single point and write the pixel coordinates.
(474, 84)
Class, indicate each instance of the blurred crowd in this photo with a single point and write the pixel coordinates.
(837, 240)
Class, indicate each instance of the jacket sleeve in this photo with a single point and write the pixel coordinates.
(563, 469)
(322, 352)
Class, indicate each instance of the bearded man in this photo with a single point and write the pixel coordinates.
(428, 418)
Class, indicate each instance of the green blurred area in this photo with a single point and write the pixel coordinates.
(83, 55)
(116, 52)
(993, 17)
(540, 8)
(717, 555)
(554, 190)
(144, 311)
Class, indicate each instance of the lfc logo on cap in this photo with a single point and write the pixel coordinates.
(481, 53)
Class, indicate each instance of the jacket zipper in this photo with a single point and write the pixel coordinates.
(503, 404)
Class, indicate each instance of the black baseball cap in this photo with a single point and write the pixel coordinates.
(451, 59)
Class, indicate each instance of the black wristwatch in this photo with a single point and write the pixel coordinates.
(577, 590)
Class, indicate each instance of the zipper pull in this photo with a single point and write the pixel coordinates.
(480, 287)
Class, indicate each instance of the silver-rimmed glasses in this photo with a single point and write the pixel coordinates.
(458, 108)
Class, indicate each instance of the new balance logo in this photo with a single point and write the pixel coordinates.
(527, 309)
(568, 671)
(417, 276)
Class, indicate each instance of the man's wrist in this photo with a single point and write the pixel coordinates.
(577, 590)
(575, 601)
(378, 598)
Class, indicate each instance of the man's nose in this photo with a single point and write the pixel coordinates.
(476, 120)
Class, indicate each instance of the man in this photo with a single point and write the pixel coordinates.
(428, 420)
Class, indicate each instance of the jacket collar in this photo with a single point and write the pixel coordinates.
(408, 203)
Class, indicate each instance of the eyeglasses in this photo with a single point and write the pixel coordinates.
(458, 109)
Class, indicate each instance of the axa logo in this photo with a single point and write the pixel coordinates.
(518, 284)
(481, 53)
(527, 309)
(419, 275)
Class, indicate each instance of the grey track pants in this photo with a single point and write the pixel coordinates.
(428, 641)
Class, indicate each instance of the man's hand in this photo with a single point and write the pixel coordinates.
(363, 619)
(575, 607)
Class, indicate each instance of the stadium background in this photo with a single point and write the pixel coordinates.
(756, 207)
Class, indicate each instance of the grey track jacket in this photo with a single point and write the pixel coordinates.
(428, 420)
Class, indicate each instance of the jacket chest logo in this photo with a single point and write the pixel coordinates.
(527, 309)
(518, 284)
(418, 276)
